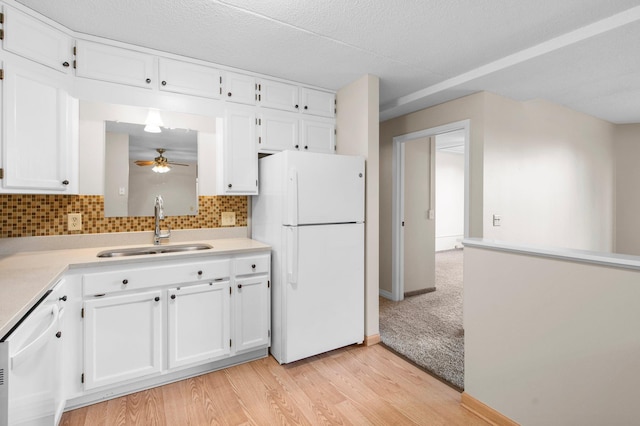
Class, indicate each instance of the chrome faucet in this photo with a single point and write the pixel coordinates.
(158, 212)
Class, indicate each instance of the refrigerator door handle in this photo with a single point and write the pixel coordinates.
(292, 257)
(292, 207)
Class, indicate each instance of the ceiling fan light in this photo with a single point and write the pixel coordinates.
(161, 168)
(153, 121)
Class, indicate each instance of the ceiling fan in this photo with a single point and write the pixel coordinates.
(160, 164)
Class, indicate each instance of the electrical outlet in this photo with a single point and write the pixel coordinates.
(74, 221)
(496, 220)
(228, 219)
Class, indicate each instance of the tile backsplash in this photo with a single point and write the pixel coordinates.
(26, 215)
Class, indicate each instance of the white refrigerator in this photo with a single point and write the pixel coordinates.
(311, 211)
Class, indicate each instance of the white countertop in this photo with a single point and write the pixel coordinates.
(26, 276)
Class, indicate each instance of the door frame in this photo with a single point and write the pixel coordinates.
(397, 245)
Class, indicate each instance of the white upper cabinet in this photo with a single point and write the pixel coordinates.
(318, 136)
(278, 131)
(39, 140)
(239, 88)
(190, 79)
(273, 94)
(317, 102)
(35, 40)
(108, 63)
(237, 154)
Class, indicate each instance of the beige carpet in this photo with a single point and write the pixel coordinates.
(427, 329)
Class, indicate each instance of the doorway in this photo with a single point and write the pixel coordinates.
(399, 202)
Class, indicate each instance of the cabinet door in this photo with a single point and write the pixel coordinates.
(199, 327)
(239, 88)
(252, 313)
(190, 79)
(278, 132)
(317, 102)
(35, 40)
(238, 156)
(273, 94)
(318, 136)
(122, 338)
(39, 150)
(109, 63)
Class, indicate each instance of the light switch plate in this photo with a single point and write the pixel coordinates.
(74, 221)
(228, 219)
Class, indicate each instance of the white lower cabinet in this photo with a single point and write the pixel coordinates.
(199, 323)
(150, 322)
(252, 313)
(122, 338)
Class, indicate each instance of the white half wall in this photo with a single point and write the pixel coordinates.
(552, 341)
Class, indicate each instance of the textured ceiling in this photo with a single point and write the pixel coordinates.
(574, 52)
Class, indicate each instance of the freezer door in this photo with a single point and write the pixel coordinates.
(324, 188)
(324, 294)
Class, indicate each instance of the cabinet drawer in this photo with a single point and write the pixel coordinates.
(154, 276)
(252, 265)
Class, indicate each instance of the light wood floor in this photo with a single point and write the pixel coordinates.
(353, 386)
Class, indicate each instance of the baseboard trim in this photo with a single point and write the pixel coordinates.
(487, 413)
(386, 294)
(374, 339)
(417, 292)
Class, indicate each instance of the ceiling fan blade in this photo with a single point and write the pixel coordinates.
(176, 164)
(145, 163)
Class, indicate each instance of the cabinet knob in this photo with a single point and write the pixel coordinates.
(306, 147)
(125, 281)
(65, 182)
(157, 299)
(229, 94)
(253, 266)
(297, 106)
(164, 83)
(239, 285)
(199, 273)
(173, 296)
(59, 334)
(297, 146)
(148, 80)
(229, 185)
(306, 107)
(63, 298)
(65, 64)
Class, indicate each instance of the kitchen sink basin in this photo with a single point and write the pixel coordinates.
(140, 251)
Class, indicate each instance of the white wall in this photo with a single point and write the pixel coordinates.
(552, 342)
(627, 150)
(549, 173)
(357, 122)
(449, 198)
(116, 166)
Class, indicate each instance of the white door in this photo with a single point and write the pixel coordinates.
(324, 188)
(198, 317)
(239, 88)
(122, 338)
(251, 312)
(273, 94)
(324, 294)
(418, 222)
(239, 154)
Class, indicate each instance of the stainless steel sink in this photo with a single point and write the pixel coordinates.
(140, 251)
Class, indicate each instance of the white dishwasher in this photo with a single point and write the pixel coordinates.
(30, 367)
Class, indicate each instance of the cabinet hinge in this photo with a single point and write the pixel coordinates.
(1, 18)
(256, 182)
(260, 87)
(268, 333)
(229, 342)
(259, 139)
(1, 74)
(75, 64)
(229, 291)
(82, 313)
(1, 173)
(82, 378)
(74, 51)
(1, 34)
(268, 284)
(259, 97)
